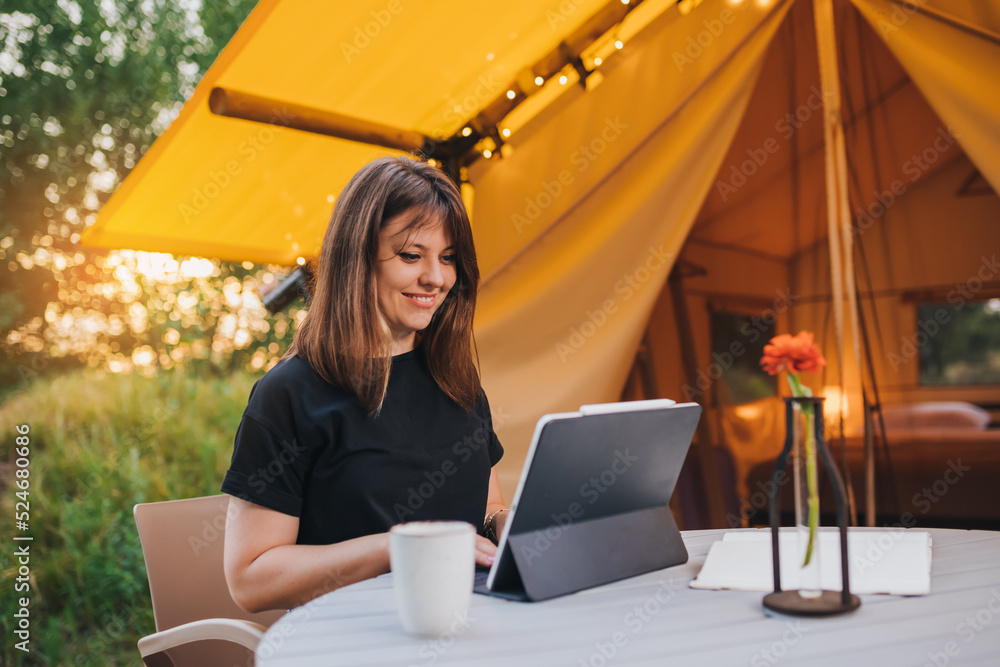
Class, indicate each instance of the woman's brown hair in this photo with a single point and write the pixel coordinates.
(344, 336)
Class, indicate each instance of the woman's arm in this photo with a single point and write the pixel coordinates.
(266, 569)
(494, 500)
(494, 504)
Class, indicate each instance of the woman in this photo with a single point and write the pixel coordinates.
(375, 416)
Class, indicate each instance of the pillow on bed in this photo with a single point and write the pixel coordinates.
(936, 414)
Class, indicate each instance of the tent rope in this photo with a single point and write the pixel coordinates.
(949, 20)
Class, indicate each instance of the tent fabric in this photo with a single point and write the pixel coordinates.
(243, 191)
(602, 188)
(778, 208)
(955, 68)
(561, 321)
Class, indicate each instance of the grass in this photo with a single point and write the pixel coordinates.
(99, 444)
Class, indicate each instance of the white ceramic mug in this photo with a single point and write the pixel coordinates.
(433, 570)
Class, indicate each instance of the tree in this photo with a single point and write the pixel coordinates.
(86, 87)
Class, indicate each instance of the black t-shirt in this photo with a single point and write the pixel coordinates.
(308, 448)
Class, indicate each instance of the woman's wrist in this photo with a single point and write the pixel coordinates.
(490, 525)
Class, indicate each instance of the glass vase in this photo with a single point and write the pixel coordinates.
(804, 444)
(806, 482)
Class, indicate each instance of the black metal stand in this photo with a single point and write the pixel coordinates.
(828, 603)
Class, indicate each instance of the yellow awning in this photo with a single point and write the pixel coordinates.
(239, 190)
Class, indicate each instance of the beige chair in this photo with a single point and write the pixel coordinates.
(197, 622)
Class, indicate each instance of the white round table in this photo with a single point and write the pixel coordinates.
(656, 619)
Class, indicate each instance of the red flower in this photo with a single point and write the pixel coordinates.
(794, 354)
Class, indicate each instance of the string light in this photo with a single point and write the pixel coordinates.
(524, 79)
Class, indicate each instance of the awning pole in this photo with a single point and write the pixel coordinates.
(245, 106)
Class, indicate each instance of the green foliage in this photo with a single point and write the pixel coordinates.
(100, 443)
(960, 343)
(86, 87)
(742, 380)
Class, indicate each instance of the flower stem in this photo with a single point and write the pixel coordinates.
(812, 482)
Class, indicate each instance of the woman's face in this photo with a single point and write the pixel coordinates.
(413, 274)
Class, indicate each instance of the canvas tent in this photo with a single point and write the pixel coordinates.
(698, 143)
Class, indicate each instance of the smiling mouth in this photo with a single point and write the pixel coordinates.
(421, 299)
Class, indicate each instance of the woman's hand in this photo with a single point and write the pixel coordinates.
(486, 551)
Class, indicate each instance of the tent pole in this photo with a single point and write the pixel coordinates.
(709, 471)
(647, 374)
(840, 237)
(869, 462)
